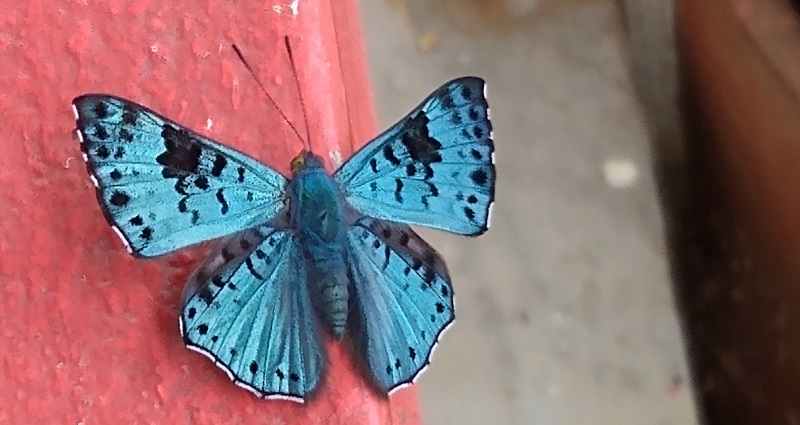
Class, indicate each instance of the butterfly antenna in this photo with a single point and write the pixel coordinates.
(299, 91)
(250, 69)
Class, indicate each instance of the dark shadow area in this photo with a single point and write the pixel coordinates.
(729, 289)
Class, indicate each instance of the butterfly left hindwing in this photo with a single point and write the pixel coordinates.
(164, 187)
(248, 308)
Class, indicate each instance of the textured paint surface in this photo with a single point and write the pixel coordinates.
(90, 333)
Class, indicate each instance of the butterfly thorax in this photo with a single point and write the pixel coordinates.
(317, 214)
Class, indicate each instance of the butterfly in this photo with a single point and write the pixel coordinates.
(314, 253)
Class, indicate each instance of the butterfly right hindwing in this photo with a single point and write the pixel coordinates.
(403, 300)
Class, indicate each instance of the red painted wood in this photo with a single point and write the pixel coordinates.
(90, 334)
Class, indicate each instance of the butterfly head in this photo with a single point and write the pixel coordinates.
(305, 161)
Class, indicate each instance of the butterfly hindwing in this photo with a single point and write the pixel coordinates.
(164, 187)
(434, 168)
(248, 308)
(402, 300)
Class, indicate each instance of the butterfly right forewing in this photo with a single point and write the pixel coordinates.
(434, 168)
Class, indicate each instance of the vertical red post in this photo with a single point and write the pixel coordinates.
(90, 334)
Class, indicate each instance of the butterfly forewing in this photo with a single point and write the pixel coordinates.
(164, 187)
(434, 168)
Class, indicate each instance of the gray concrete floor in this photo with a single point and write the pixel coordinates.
(565, 312)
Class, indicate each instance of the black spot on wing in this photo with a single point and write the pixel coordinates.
(387, 254)
(100, 132)
(223, 203)
(398, 187)
(388, 153)
(472, 199)
(466, 92)
(147, 234)
(119, 198)
(473, 114)
(115, 174)
(433, 189)
(249, 263)
(373, 163)
(447, 101)
(428, 171)
(240, 170)
(129, 115)
(479, 177)
(181, 156)
(203, 329)
(294, 377)
(136, 221)
(192, 312)
(119, 153)
(476, 154)
(428, 275)
(411, 170)
(469, 213)
(418, 142)
(219, 164)
(125, 135)
(253, 367)
(201, 182)
(404, 239)
(102, 152)
(206, 295)
(100, 110)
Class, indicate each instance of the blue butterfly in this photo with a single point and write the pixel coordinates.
(317, 253)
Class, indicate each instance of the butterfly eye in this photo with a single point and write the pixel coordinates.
(296, 163)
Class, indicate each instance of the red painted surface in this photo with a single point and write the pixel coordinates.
(90, 334)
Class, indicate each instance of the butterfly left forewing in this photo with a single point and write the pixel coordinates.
(402, 300)
(434, 168)
(164, 187)
(248, 308)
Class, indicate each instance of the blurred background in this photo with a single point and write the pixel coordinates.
(565, 308)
